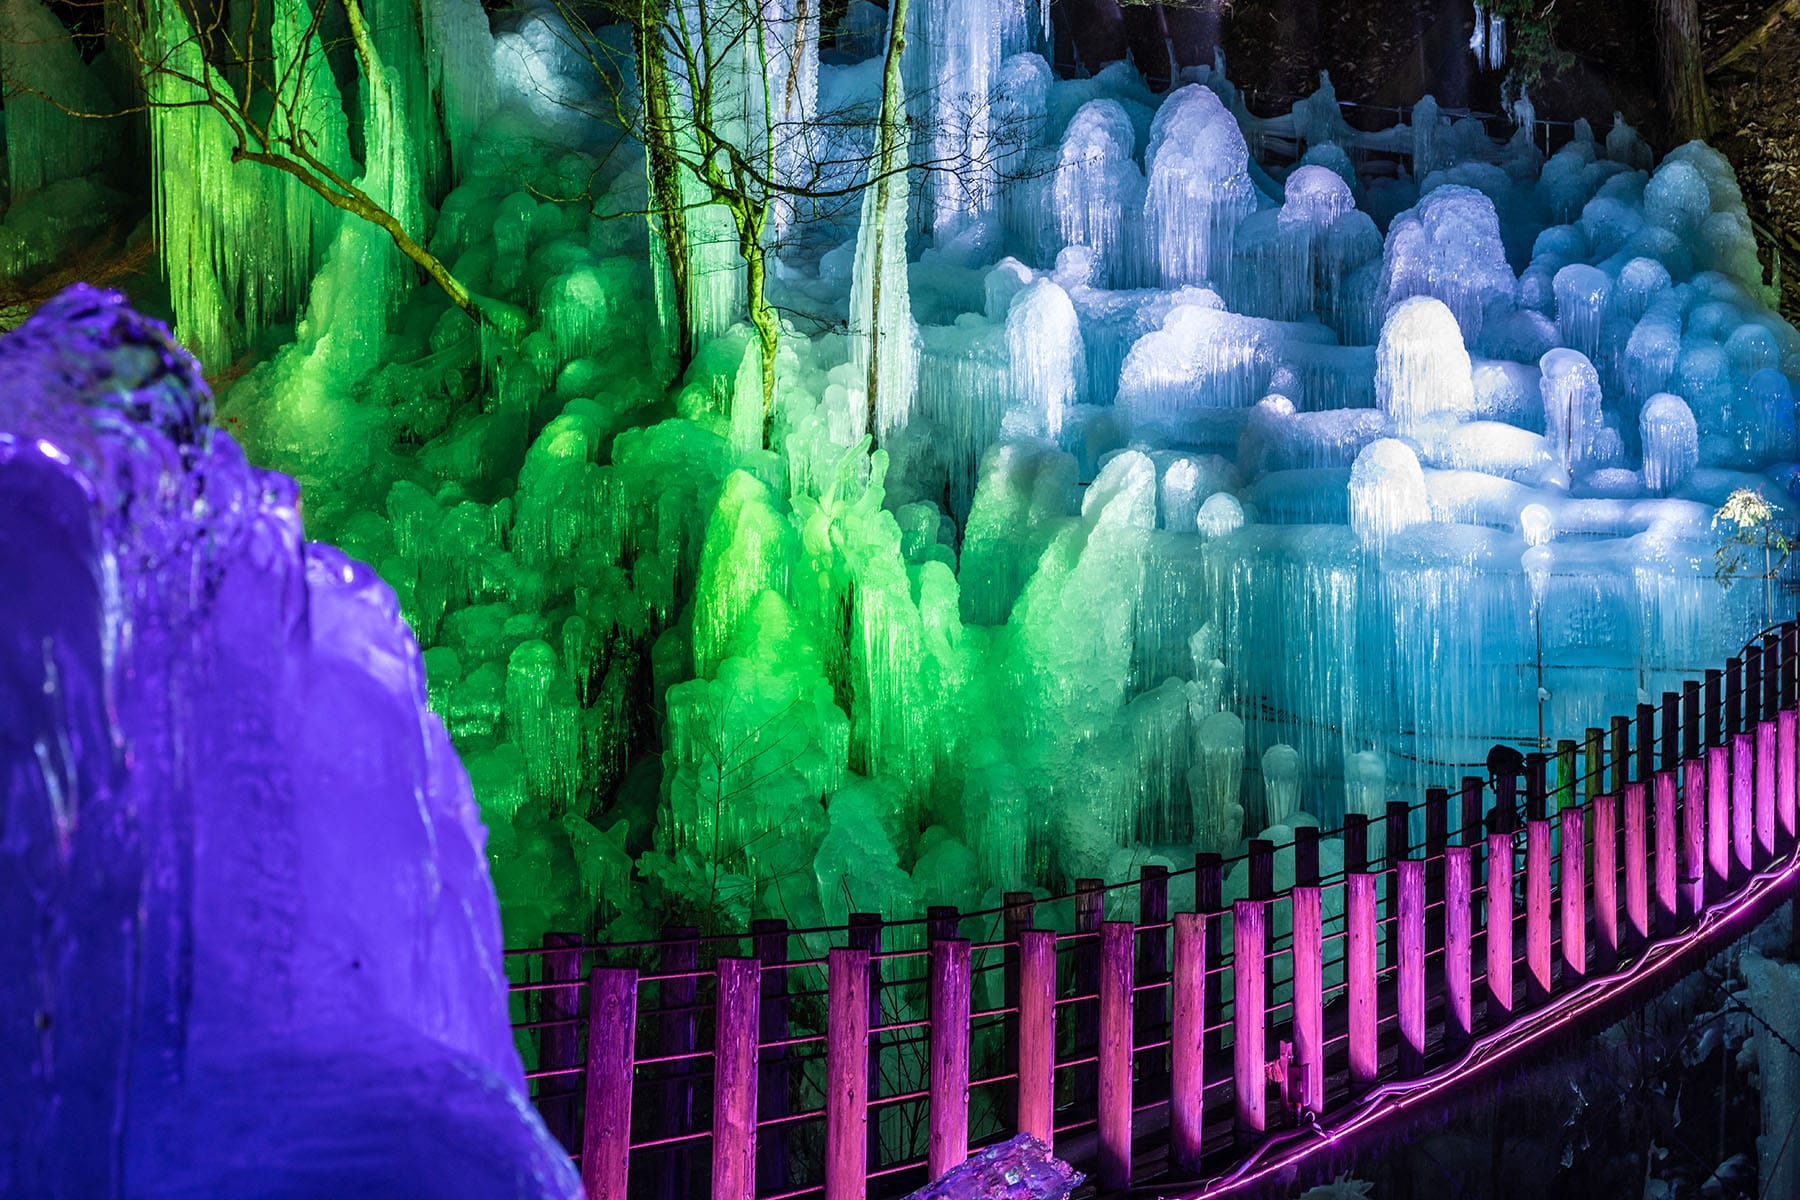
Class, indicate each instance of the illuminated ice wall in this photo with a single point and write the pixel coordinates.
(253, 948)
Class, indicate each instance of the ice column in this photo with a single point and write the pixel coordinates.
(1449, 246)
(1281, 784)
(1572, 415)
(1098, 190)
(1199, 187)
(1671, 443)
(46, 81)
(1387, 492)
(952, 62)
(1215, 783)
(1044, 351)
(1422, 372)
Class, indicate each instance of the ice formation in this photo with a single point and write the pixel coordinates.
(1122, 490)
(257, 946)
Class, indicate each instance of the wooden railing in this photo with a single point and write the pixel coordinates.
(1195, 1050)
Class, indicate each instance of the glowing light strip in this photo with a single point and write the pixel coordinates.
(1402, 1094)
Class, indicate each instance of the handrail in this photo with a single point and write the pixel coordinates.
(1681, 821)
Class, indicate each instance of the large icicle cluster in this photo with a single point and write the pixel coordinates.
(1124, 493)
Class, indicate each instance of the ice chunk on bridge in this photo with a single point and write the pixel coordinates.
(1387, 492)
(1422, 372)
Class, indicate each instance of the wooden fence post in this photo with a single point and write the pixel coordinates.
(1359, 968)
(1537, 907)
(1499, 920)
(611, 1051)
(1309, 971)
(734, 1079)
(949, 1085)
(1573, 895)
(1605, 810)
(1116, 974)
(1037, 1034)
(769, 936)
(847, 1074)
(1693, 804)
(1718, 818)
(1409, 878)
(1459, 947)
(1765, 789)
(1187, 1048)
(1743, 800)
(1152, 1006)
(1637, 850)
(1785, 733)
(1249, 1055)
(1666, 831)
(559, 1044)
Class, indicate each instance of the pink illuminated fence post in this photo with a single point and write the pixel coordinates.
(1501, 1001)
(1693, 805)
(1116, 974)
(734, 1079)
(1249, 1056)
(1459, 1000)
(1573, 894)
(1743, 767)
(948, 1100)
(1309, 962)
(1718, 785)
(611, 1051)
(1187, 1046)
(1761, 717)
(1637, 850)
(847, 1074)
(1409, 881)
(1037, 1034)
(1359, 966)
(1605, 815)
(1537, 883)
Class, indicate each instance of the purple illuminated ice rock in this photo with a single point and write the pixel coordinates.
(1020, 1168)
(251, 948)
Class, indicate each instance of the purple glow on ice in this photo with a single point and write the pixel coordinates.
(253, 947)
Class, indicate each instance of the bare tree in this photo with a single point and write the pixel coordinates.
(268, 79)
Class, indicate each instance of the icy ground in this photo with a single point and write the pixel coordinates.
(253, 949)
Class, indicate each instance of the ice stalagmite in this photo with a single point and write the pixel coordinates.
(1199, 188)
(1671, 443)
(1572, 416)
(1282, 782)
(1097, 193)
(1449, 246)
(1387, 492)
(1215, 782)
(1423, 378)
(1044, 348)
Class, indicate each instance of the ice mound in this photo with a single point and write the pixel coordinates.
(255, 949)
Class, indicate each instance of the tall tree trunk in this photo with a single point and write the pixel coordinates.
(1681, 77)
(668, 222)
(890, 149)
(751, 220)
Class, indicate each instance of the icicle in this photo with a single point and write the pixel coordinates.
(47, 86)
(1281, 773)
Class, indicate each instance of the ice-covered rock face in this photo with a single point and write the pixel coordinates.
(256, 949)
